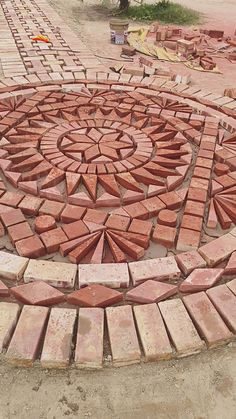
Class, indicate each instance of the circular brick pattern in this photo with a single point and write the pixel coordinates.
(115, 213)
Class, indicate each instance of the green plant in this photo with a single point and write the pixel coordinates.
(164, 11)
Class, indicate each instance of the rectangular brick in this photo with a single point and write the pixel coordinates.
(58, 274)
(159, 269)
(58, 339)
(89, 344)
(207, 319)
(152, 332)
(109, 274)
(24, 346)
(180, 327)
(8, 317)
(122, 336)
(225, 303)
(12, 266)
(218, 250)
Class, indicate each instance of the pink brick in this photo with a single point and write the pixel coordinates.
(160, 269)
(189, 261)
(201, 279)
(24, 346)
(152, 332)
(8, 318)
(151, 291)
(57, 346)
(122, 336)
(232, 285)
(89, 343)
(218, 250)
(180, 327)
(37, 293)
(207, 319)
(114, 275)
(225, 303)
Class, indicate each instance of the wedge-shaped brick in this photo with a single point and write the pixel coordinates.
(24, 346)
(225, 302)
(58, 339)
(58, 274)
(12, 266)
(180, 327)
(8, 318)
(159, 269)
(89, 343)
(152, 332)
(207, 319)
(122, 335)
(109, 274)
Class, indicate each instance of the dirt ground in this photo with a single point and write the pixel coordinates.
(199, 387)
(90, 20)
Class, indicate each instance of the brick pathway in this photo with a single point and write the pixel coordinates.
(117, 206)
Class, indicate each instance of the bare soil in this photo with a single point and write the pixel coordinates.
(90, 20)
(198, 387)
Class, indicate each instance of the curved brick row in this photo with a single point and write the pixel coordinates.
(164, 328)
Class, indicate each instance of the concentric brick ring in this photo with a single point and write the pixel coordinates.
(114, 205)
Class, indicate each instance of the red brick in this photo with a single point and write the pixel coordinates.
(180, 327)
(30, 205)
(11, 198)
(194, 208)
(52, 208)
(44, 223)
(75, 229)
(95, 296)
(24, 346)
(188, 240)
(191, 222)
(189, 261)
(122, 336)
(30, 247)
(83, 249)
(38, 293)
(132, 249)
(117, 222)
(72, 213)
(141, 227)
(19, 231)
(137, 210)
(207, 319)
(89, 342)
(151, 292)
(164, 235)
(53, 238)
(167, 217)
(95, 216)
(225, 303)
(201, 279)
(4, 290)
(57, 346)
(117, 253)
(11, 217)
(154, 339)
(153, 205)
(171, 200)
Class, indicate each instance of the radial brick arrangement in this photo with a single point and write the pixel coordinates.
(117, 209)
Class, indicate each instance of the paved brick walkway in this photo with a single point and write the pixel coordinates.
(117, 206)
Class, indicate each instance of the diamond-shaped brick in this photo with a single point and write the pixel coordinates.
(151, 291)
(38, 293)
(95, 296)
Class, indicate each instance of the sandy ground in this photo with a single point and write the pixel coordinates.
(91, 22)
(199, 387)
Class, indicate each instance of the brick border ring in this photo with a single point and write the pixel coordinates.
(117, 207)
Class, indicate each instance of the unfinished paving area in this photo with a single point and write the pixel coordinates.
(117, 207)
